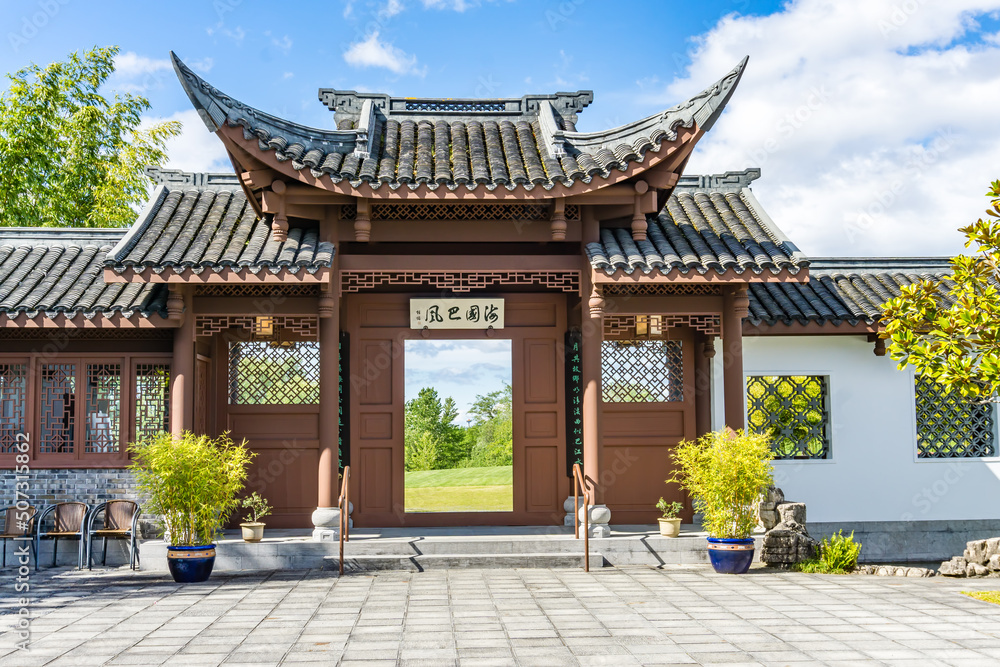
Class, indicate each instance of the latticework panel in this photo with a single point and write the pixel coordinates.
(479, 211)
(625, 325)
(305, 326)
(642, 371)
(13, 380)
(272, 374)
(152, 400)
(286, 291)
(460, 281)
(103, 403)
(950, 426)
(793, 409)
(61, 335)
(661, 289)
(57, 421)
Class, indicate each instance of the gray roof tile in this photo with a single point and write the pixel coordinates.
(59, 271)
(706, 225)
(211, 227)
(841, 290)
(401, 142)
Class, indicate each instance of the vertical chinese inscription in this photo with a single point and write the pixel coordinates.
(574, 401)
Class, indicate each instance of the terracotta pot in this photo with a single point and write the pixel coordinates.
(670, 527)
(252, 532)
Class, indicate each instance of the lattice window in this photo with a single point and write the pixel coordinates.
(426, 211)
(682, 289)
(284, 291)
(58, 409)
(625, 325)
(104, 394)
(642, 371)
(950, 426)
(152, 400)
(793, 408)
(460, 281)
(13, 380)
(274, 374)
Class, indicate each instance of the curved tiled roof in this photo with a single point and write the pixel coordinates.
(212, 228)
(490, 149)
(60, 271)
(841, 290)
(702, 229)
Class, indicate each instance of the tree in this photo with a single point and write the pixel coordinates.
(949, 331)
(428, 414)
(493, 428)
(69, 156)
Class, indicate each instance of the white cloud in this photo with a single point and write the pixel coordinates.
(874, 122)
(195, 149)
(457, 5)
(372, 52)
(204, 65)
(391, 8)
(283, 44)
(130, 65)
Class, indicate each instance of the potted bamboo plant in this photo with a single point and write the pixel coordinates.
(257, 508)
(726, 472)
(670, 522)
(191, 481)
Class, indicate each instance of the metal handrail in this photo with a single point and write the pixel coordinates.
(578, 482)
(344, 503)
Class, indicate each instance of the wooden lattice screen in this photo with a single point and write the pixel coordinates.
(13, 381)
(642, 371)
(263, 373)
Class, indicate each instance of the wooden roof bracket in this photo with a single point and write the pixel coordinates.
(279, 223)
(363, 221)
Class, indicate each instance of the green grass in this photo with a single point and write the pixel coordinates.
(497, 476)
(460, 490)
(986, 596)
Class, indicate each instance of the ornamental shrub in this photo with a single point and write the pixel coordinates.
(840, 553)
(191, 481)
(726, 472)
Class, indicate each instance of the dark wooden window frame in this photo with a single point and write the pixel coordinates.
(79, 458)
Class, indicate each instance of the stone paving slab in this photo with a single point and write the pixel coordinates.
(625, 616)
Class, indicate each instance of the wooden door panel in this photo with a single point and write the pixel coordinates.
(541, 380)
(373, 380)
(375, 480)
(541, 473)
(286, 476)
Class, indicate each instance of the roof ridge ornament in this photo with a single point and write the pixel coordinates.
(347, 106)
(177, 177)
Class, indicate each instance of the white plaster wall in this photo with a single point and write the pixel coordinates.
(874, 474)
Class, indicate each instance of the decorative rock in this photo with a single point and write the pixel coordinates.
(789, 541)
(994, 563)
(767, 511)
(975, 552)
(993, 547)
(976, 570)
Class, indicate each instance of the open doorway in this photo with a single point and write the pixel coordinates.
(458, 426)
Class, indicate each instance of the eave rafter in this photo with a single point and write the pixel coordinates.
(620, 277)
(225, 276)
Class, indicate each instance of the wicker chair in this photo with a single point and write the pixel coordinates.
(13, 531)
(121, 522)
(69, 520)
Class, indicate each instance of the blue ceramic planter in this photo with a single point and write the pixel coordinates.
(730, 555)
(190, 565)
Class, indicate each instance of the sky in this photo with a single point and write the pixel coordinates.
(461, 369)
(874, 122)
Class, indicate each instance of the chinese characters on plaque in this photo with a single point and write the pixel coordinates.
(574, 402)
(456, 313)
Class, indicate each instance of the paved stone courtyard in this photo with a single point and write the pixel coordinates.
(532, 617)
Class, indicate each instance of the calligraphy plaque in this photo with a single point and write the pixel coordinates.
(456, 313)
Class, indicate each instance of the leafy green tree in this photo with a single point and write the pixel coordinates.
(427, 413)
(69, 155)
(949, 331)
(493, 429)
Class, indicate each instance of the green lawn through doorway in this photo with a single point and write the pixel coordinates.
(460, 490)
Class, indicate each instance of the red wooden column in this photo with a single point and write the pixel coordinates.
(326, 519)
(179, 306)
(735, 308)
(329, 396)
(590, 364)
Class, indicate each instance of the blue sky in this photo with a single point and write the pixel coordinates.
(462, 369)
(874, 121)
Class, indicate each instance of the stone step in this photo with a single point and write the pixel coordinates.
(424, 562)
(462, 546)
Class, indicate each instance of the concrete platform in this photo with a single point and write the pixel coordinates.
(446, 548)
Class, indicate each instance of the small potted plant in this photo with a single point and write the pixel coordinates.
(192, 482)
(670, 522)
(726, 472)
(257, 508)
